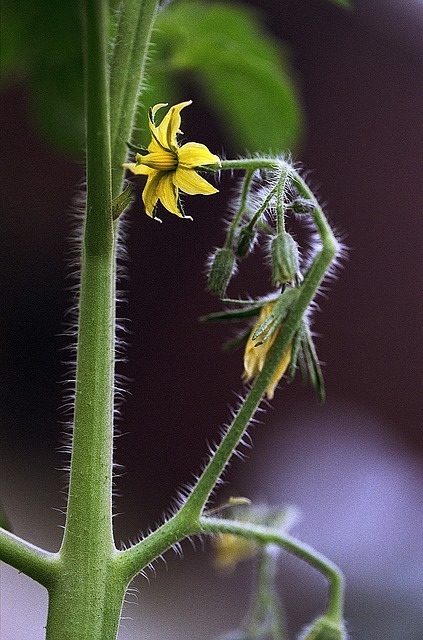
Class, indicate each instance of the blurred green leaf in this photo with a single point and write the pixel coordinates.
(342, 3)
(219, 48)
(12, 36)
(43, 46)
(239, 68)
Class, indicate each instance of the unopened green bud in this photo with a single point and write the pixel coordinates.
(324, 629)
(223, 265)
(302, 206)
(245, 241)
(285, 259)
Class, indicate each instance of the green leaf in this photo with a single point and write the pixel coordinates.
(240, 69)
(342, 3)
(44, 45)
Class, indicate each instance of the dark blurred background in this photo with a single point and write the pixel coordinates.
(353, 467)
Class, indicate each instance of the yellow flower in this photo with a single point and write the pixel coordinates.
(231, 549)
(255, 356)
(170, 167)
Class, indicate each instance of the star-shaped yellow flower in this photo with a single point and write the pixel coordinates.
(170, 167)
(255, 354)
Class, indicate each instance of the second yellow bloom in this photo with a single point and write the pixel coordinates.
(255, 355)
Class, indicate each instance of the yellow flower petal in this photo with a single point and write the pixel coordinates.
(166, 132)
(280, 370)
(194, 154)
(168, 194)
(169, 167)
(137, 169)
(149, 194)
(191, 183)
(255, 356)
(159, 161)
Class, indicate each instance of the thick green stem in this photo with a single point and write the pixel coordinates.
(127, 75)
(80, 599)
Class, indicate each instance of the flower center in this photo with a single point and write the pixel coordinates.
(161, 160)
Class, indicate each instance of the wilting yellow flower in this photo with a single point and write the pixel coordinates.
(170, 167)
(255, 356)
(231, 549)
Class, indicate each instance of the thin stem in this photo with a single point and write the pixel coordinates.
(38, 564)
(184, 521)
(299, 549)
(132, 560)
(251, 163)
(127, 75)
(241, 209)
(266, 612)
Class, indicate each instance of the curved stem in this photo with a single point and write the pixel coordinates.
(184, 522)
(305, 552)
(38, 564)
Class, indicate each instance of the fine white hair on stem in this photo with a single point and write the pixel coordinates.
(70, 331)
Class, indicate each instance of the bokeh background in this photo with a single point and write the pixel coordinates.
(354, 466)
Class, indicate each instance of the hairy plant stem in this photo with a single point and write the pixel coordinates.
(38, 564)
(85, 599)
(127, 75)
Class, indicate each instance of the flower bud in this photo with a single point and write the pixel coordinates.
(285, 259)
(324, 629)
(223, 265)
(302, 206)
(246, 240)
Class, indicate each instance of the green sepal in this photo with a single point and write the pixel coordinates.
(312, 364)
(137, 148)
(245, 243)
(122, 201)
(231, 315)
(295, 353)
(301, 206)
(208, 168)
(279, 313)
